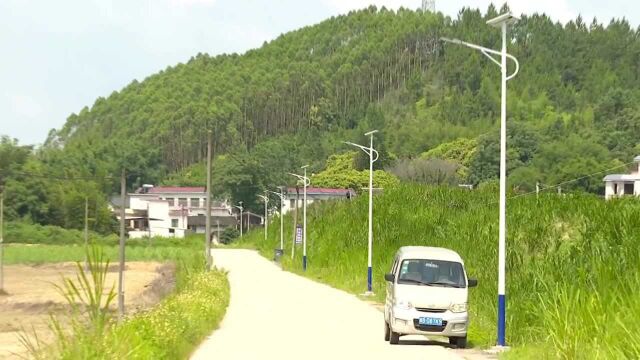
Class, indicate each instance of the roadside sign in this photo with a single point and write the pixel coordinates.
(298, 234)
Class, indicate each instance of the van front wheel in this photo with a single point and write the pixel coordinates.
(459, 342)
(394, 338)
(387, 331)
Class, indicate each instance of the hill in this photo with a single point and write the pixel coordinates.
(571, 261)
(573, 110)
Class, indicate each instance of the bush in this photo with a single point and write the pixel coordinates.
(228, 235)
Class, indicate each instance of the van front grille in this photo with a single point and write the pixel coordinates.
(431, 310)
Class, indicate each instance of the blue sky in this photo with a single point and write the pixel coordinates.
(59, 56)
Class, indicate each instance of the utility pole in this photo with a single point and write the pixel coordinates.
(306, 182)
(295, 223)
(123, 199)
(1, 239)
(207, 237)
(218, 229)
(240, 208)
(266, 226)
(282, 199)
(371, 152)
(501, 22)
(86, 232)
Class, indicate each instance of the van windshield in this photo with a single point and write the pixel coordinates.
(432, 273)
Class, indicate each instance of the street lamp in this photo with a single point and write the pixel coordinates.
(371, 152)
(282, 200)
(306, 182)
(266, 200)
(501, 22)
(241, 209)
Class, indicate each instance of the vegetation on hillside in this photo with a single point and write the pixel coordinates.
(572, 261)
(573, 110)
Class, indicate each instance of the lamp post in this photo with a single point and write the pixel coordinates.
(371, 152)
(241, 209)
(266, 200)
(306, 182)
(282, 200)
(501, 22)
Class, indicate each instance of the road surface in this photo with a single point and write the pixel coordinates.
(274, 314)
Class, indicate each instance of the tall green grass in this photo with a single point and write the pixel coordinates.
(573, 265)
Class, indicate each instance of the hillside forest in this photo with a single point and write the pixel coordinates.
(573, 110)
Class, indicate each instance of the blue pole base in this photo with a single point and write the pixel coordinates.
(304, 263)
(502, 303)
(369, 277)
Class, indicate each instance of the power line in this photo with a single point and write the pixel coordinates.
(572, 180)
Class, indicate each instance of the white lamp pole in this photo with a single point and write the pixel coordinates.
(371, 152)
(501, 22)
(266, 229)
(306, 181)
(241, 209)
(282, 200)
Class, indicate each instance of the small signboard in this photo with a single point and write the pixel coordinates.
(298, 234)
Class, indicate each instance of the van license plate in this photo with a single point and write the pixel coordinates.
(430, 321)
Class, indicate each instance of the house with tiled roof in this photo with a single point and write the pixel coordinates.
(173, 211)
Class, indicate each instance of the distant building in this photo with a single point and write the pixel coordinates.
(313, 194)
(616, 185)
(170, 211)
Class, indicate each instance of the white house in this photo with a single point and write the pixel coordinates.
(616, 185)
(313, 194)
(171, 211)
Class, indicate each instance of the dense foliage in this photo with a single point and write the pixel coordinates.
(573, 110)
(571, 261)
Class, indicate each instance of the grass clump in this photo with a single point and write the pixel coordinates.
(572, 261)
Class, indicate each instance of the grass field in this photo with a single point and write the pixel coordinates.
(572, 266)
(170, 330)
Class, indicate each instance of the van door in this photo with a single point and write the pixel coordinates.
(389, 290)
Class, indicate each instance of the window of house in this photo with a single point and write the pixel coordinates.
(182, 202)
(195, 202)
(628, 188)
(171, 201)
(174, 223)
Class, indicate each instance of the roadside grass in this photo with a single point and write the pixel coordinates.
(572, 265)
(170, 330)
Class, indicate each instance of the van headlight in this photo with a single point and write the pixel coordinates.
(458, 308)
(403, 305)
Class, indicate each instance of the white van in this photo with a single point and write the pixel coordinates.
(427, 295)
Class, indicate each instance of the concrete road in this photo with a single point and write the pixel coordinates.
(274, 314)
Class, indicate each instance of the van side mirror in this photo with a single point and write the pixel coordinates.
(472, 282)
(389, 277)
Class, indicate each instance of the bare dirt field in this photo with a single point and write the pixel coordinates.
(32, 296)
